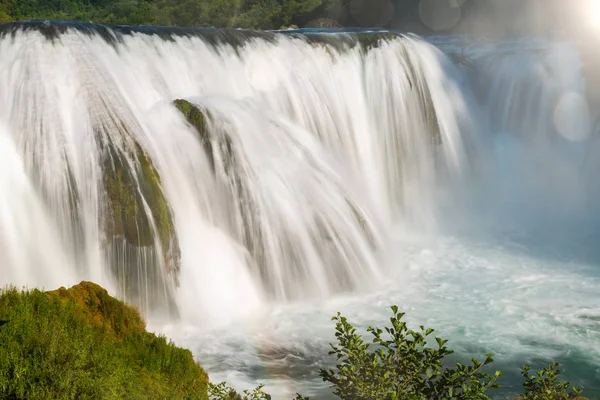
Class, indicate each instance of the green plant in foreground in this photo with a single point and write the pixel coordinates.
(222, 391)
(402, 367)
(544, 385)
(398, 364)
(81, 343)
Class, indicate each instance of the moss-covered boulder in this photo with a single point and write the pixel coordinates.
(81, 343)
(136, 206)
(99, 309)
(197, 119)
(137, 212)
(193, 115)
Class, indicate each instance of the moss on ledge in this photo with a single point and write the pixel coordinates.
(80, 343)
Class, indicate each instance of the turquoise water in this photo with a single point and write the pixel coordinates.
(496, 295)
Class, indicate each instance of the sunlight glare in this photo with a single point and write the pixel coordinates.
(594, 12)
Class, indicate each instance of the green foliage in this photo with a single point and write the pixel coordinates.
(250, 14)
(222, 391)
(402, 366)
(293, 9)
(545, 385)
(81, 343)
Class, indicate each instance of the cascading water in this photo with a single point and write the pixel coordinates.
(215, 176)
(132, 189)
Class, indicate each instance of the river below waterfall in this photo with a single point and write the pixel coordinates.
(506, 295)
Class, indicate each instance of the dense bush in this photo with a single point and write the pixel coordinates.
(81, 343)
(399, 364)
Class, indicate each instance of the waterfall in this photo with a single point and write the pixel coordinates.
(306, 150)
(206, 174)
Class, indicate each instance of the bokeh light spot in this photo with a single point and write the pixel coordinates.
(440, 14)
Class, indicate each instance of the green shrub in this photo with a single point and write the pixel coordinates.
(544, 385)
(222, 391)
(402, 367)
(81, 343)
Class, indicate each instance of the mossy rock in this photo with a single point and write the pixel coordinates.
(81, 343)
(192, 113)
(127, 188)
(196, 118)
(97, 307)
(221, 146)
(141, 241)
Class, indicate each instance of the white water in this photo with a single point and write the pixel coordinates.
(478, 219)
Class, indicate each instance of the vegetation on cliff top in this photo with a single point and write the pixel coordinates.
(80, 343)
(501, 16)
(254, 14)
(251, 14)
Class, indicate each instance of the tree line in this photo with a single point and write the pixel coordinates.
(250, 14)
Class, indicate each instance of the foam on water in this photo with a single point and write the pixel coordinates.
(489, 295)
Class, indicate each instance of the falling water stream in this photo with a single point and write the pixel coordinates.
(324, 172)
